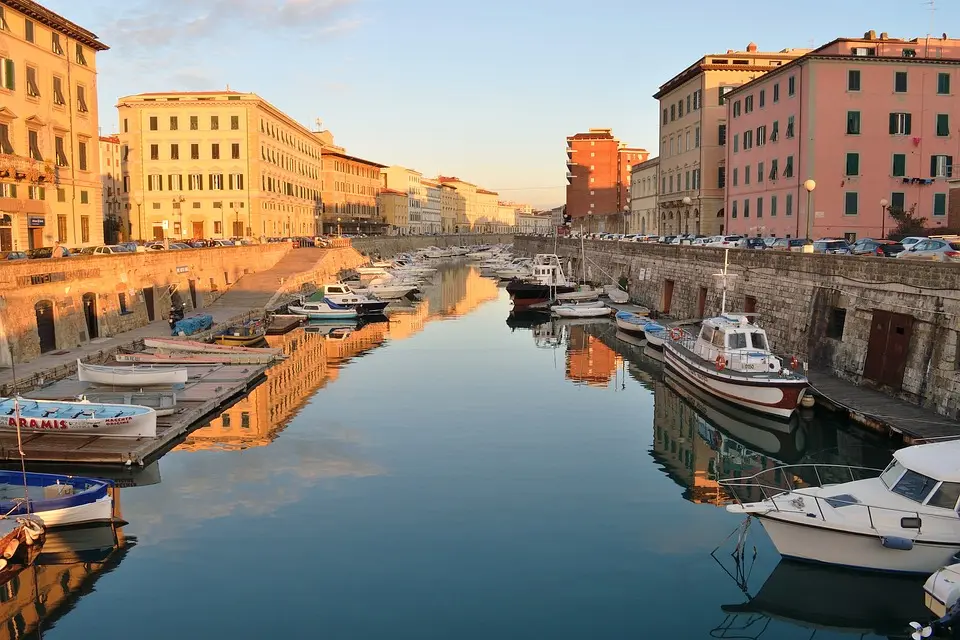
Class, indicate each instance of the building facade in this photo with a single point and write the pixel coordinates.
(693, 135)
(598, 179)
(644, 185)
(538, 222)
(349, 192)
(408, 181)
(828, 144)
(394, 207)
(450, 204)
(50, 187)
(466, 202)
(433, 206)
(217, 164)
(488, 211)
(506, 217)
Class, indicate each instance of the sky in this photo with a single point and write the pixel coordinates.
(486, 91)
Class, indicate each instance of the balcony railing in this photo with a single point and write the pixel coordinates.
(21, 169)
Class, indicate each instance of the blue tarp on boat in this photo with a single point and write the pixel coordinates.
(192, 325)
(86, 491)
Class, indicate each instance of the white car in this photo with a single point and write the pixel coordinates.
(726, 242)
(701, 242)
(909, 241)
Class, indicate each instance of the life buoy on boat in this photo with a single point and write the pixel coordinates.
(794, 363)
(675, 334)
(721, 363)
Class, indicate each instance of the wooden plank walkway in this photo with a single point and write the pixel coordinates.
(209, 388)
(881, 412)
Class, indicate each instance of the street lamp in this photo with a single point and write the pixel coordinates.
(883, 217)
(138, 200)
(338, 227)
(177, 201)
(626, 209)
(809, 185)
(686, 214)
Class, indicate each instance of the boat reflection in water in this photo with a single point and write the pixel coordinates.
(828, 599)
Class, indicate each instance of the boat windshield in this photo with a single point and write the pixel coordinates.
(946, 495)
(759, 340)
(737, 340)
(892, 473)
(914, 486)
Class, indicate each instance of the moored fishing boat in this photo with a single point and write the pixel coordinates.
(132, 376)
(244, 335)
(175, 344)
(387, 291)
(581, 311)
(189, 357)
(21, 539)
(77, 418)
(595, 304)
(342, 295)
(325, 310)
(545, 284)
(58, 500)
(632, 322)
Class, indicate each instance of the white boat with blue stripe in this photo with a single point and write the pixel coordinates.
(58, 500)
(77, 418)
(632, 322)
(326, 309)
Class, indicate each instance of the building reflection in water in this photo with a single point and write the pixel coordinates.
(589, 360)
(314, 360)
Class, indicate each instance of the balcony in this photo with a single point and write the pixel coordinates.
(22, 169)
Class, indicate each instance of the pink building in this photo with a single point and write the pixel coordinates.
(872, 121)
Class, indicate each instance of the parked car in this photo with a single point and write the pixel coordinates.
(13, 255)
(701, 242)
(871, 247)
(667, 239)
(754, 243)
(178, 245)
(938, 249)
(909, 241)
(132, 247)
(727, 242)
(47, 252)
(156, 246)
(223, 243)
(104, 250)
(839, 247)
(769, 240)
(790, 244)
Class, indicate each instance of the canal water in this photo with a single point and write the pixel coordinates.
(459, 473)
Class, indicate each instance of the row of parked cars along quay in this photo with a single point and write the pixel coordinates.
(156, 245)
(938, 248)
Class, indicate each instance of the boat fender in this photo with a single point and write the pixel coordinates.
(3, 564)
(896, 543)
(721, 363)
(11, 549)
(794, 363)
(675, 334)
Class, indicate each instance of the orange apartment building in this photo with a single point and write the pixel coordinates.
(598, 179)
(349, 193)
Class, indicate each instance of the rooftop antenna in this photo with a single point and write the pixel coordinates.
(933, 14)
(319, 124)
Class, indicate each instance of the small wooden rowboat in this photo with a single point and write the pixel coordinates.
(184, 357)
(58, 500)
(21, 539)
(135, 376)
(242, 336)
(193, 346)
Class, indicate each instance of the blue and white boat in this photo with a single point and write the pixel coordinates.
(324, 310)
(655, 333)
(77, 418)
(632, 322)
(58, 500)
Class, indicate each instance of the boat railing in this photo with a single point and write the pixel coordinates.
(746, 361)
(779, 487)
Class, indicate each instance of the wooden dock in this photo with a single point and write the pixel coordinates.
(881, 412)
(209, 389)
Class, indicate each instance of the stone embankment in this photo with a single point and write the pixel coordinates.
(387, 246)
(888, 324)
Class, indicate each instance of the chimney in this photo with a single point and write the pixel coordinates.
(752, 47)
(870, 35)
(884, 35)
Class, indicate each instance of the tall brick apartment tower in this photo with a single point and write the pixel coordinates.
(598, 180)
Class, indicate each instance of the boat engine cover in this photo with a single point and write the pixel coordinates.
(942, 589)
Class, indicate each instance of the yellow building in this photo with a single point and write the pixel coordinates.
(467, 211)
(450, 204)
(394, 209)
(216, 164)
(488, 211)
(49, 167)
(116, 205)
(410, 182)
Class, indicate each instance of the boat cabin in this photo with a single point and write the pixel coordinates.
(927, 474)
(547, 270)
(740, 344)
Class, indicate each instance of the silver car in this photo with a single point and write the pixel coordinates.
(937, 249)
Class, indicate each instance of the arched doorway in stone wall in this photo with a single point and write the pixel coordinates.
(46, 329)
(90, 315)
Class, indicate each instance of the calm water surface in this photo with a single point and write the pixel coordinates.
(448, 475)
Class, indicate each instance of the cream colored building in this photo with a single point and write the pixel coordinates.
(450, 204)
(49, 151)
(467, 211)
(394, 207)
(488, 211)
(506, 216)
(693, 132)
(433, 206)
(116, 204)
(644, 184)
(534, 222)
(215, 164)
(410, 182)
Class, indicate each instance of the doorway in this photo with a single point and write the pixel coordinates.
(46, 329)
(888, 348)
(158, 233)
(193, 293)
(667, 296)
(35, 237)
(749, 304)
(702, 302)
(198, 230)
(90, 314)
(148, 300)
(237, 229)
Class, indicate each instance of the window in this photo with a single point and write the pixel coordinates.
(216, 181)
(84, 198)
(838, 317)
(174, 182)
(194, 151)
(851, 202)
(154, 182)
(946, 496)
(897, 199)
(791, 85)
(673, 112)
(235, 122)
(671, 185)
(943, 125)
(774, 169)
(244, 420)
(721, 92)
(939, 204)
(153, 123)
(7, 74)
(736, 109)
(746, 174)
(763, 98)
(81, 99)
(82, 155)
(788, 205)
(900, 124)
(61, 228)
(214, 123)
(666, 116)
(81, 59)
(721, 177)
(746, 208)
(680, 108)
(58, 91)
(789, 127)
(174, 123)
(748, 104)
(33, 140)
(33, 89)
(696, 137)
(174, 151)
(697, 99)
(943, 84)
(900, 82)
(775, 131)
(773, 206)
(28, 30)
(235, 150)
(154, 152)
(215, 151)
(236, 181)
(913, 486)
(853, 123)
(194, 123)
(126, 186)
(55, 45)
(941, 166)
(84, 227)
(760, 207)
(853, 164)
(788, 168)
(761, 135)
(759, 172)
(686, 181)
(736, 142)
(689, 103)
(776, 92)
(853, 80)
(61, 152)
(722, 134)
(195, 182)
(733, 213)
(736, 176)
(899, 165)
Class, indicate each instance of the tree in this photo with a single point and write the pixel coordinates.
(908, 222)
(112, 225)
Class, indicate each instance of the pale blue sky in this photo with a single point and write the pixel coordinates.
(483, 90)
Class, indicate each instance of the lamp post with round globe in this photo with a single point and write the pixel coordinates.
(883, 217)
(809, 185)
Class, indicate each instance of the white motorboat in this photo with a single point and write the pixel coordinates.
(631, 322)
(324, 310)
(616, 294)
(58, 500)
(581, 311)
(589, 304)
(656, 334)
(341, 294)
(371, 271)
(902, 519)
(387, 291)
(138, 375)
(77, 418)
(584, 292)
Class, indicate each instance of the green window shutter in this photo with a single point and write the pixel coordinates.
(899, 165)
(939, 204)
(853, 164)
(9, 70)
(943, 124)
(893, 124)
(850, 203)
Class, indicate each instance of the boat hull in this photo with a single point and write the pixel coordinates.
(117, 421)
(860, 551)
(193, 346)
(332, 314)
(239, 341)
(97, 512)
(630, 327)
(525, 293)
(581, 312)
(578, 296)
(133, 376)
(195, 358)
(654, 337)
(775, 396)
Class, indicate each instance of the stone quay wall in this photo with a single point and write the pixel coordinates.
(387, 246)
(50, 297)
(831, 311)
